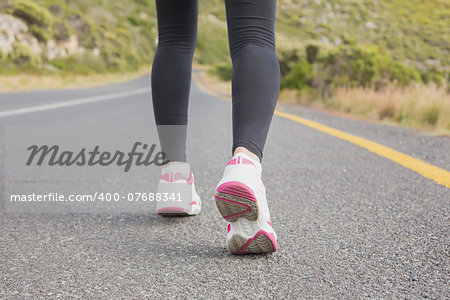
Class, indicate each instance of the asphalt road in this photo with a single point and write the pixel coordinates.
(351, 224)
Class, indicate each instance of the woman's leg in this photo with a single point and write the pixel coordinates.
(241, 194)
(171, 73)
(256, 72)
(171, 82)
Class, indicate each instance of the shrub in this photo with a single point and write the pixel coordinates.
(402, 74)
(41, 33)
(432, 75)
(311, 53)
(300, 78)
(357, 65)
(32, 13)
(287, 60)
(38, 18)
(224, 72)
(22, 56)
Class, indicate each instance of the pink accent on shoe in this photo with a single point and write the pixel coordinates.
(270, 236)
(166, 177)
(237, 203)
(193, 202)
(238, 160)
(190, 180)
(268, 222)
(229, 227)
(263, 183)
(238, 189)
(247, 162)
(179, 176)
(232, 162)
(170, 210)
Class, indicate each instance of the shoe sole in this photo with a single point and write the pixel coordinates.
(234, 201)
(172, 212)
(262, 242)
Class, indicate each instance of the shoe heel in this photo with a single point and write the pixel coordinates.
(236, 200)
(262, 242)
(172, 212)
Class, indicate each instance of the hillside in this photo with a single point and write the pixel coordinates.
(123, 33)
(415, 32)
(382, 59)
(79, 36)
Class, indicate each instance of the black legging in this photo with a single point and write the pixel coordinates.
(256, 72)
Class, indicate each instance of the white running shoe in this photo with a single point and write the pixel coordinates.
(241, 199)
(176, 194)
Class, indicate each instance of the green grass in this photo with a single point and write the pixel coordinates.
(123, 31)
(414, 32)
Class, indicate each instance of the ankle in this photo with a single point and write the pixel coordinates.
(244, 150)
(173, 163)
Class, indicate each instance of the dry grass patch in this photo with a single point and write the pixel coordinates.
(24, 82)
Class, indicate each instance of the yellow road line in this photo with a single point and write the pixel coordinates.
(437, 174)
(427, 170)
